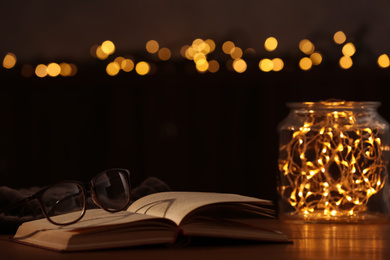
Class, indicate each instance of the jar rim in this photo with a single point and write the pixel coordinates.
(334, 104)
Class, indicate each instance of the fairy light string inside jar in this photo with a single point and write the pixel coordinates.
(333, 163)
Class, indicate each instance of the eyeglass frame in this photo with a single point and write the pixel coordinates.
(87, 189)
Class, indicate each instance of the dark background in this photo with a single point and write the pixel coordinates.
(206, 132)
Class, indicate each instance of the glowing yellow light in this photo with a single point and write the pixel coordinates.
(227, 47)
(306, 46)
(339, 37)
(199, 56)
(316, 58)
(113, 68)
(213, 66)
(266, 65)
(383, 61)
(164, 54)
(127, 65)
(108, 47)
(41, 70)
(236, 53)
(9, 60)
(305, 63)
(349, 49)
(66, 69)
(190, 53)
(239, 65)
(270, 44)
(202, 65)
(211, 44)
(345, 62)
(53, 69)
(142, 68)
(278, 64)
(197, 44)
(152, 46)
(100, 53)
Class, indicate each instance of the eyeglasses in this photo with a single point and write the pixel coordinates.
(64, 203)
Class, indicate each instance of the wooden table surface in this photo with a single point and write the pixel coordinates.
(309, 241)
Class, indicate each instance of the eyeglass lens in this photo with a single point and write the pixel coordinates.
(112, 190)
(61, 198)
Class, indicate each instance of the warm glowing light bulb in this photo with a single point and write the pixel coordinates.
(266, 65)
(239, 65)
(339, 37)
(9, 60)
(66, 69)
(349, 49)
(213, 66)
(41, 70)
(236, 53)
(113, 68)
(227, 47)
(108, 47)
(270, 44)
(345, 62)
(316, 58)
(305, 63)
(383, 61)
(152, 46)
(306, 46)
(164, 54)
(142, 68)
(278, 64)
(53, 69)
(127, 65)
(202, 65)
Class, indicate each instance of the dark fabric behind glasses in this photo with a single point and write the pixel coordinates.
(10, 221)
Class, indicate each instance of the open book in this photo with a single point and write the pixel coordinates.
(158, 218)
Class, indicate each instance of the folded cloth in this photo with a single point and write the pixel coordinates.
(11, 220)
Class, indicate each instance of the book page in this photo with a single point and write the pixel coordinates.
(93, 219)
(177, 205)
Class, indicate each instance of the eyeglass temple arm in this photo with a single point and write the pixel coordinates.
(12, 206)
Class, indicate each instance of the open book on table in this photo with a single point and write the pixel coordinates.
(158, 218)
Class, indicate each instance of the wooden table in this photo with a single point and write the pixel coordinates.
(309, 241)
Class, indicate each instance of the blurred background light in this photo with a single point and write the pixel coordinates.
(349, 49)
(152, 46)
(339, 37)
(266, 65)
(345, 62)
(383, 61)
(9, 60)
(270, 44)
(305, 63)
(142, 68)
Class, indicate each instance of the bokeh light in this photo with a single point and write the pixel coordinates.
(239, 65)
(305, 63)
(152, 46)
(108, 47)
(9, 60)
(306, 46)
(142, 68)
(266, 65)
(383, 61)
(339, 37)
(270, 44)
(345, 62)
(349, 49)
(53, 69)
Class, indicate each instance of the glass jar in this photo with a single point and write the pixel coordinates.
(333, 163)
